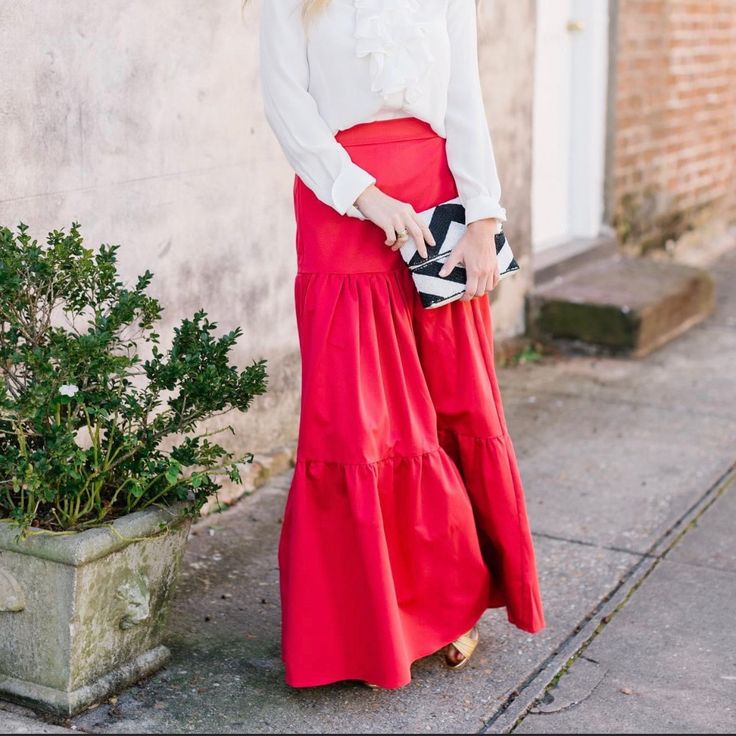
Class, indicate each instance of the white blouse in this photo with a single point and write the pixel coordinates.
(365, 60)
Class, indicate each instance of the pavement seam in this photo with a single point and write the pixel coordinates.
(698, 566)
(585, 543)
(523, 698)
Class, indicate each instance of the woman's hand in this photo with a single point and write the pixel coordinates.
(397, 219)
(477, 251)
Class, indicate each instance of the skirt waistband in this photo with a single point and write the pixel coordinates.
(386, 131)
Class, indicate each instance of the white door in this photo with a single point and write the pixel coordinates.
(570, 98)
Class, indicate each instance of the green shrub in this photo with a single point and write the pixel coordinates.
(89, 429)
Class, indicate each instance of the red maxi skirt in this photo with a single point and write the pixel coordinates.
(406, 518)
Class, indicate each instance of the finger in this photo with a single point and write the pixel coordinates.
(416, 232)
(480, 279)
(402, 238)
(390, 231)
(495, 278)
(454, 259)
(426, 232)
(471, 287)
(402, 233)
(484, 285)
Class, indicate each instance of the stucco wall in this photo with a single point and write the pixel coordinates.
(507, 37)
(143, 122)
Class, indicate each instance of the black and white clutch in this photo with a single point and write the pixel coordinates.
(447, 224)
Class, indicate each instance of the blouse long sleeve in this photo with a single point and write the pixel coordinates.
(307, 140)
(469, 147)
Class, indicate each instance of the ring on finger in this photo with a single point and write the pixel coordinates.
(403, 234)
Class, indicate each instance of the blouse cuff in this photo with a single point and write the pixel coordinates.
(353, 211)
(351, 182)
(482, 208)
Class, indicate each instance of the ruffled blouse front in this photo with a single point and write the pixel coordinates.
(394, 39)
(366, 60)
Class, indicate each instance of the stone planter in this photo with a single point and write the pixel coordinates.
(83, 615)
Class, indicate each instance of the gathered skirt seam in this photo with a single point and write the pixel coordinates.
(503, 436)
(397, 139)
(370, 462)
(351, 273)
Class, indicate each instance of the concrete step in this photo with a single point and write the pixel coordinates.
(620, 305)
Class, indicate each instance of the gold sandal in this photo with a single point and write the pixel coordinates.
(466, 645)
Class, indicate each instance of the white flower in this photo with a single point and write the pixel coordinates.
(68, 389)
(84, 437)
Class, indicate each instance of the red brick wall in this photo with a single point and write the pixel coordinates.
(674, 160)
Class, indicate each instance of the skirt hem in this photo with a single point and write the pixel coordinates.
(429, 650)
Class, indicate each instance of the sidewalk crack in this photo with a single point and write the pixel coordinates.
(573, 704)
(584, 543)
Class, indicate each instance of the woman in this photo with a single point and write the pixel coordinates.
(405, 518)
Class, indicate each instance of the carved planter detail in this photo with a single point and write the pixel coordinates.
(83, 615)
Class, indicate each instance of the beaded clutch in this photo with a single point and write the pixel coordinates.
(447, 224)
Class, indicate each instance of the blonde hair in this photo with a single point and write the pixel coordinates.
(312, 7)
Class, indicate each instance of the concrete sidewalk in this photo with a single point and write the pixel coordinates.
(666, 663)
(20, 720)
(618, 458)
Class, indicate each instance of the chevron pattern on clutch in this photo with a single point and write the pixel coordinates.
(447, 224)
